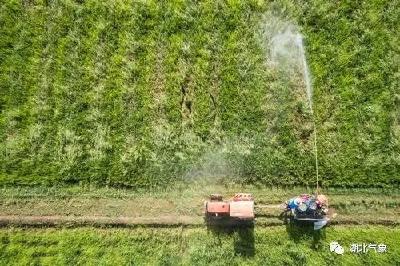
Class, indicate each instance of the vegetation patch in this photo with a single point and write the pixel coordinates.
(149, 93)
(195, 246)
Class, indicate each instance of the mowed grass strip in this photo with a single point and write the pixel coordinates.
(372, 206)
(195, 246)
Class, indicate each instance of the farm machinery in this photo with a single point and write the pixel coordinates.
(309, 209)
(237, 210)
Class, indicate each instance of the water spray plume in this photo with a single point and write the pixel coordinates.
(307, 80)
(287, 52)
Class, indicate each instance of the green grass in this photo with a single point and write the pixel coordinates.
(195, 246)
(148, 93)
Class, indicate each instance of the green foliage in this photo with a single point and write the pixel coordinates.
(178, 246)
(133, 93)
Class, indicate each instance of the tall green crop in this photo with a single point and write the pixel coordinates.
(148, 93)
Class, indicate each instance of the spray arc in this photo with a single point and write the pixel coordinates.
(287, 50)
(287, 53)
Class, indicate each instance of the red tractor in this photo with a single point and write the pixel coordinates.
(239, 209)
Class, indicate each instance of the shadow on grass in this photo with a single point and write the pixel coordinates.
(304, 230)
(243, 235)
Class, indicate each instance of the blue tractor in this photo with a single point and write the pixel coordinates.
(308, 208)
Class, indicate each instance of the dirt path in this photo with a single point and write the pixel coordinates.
(109, 207)
(73, 221)
(165, 221)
